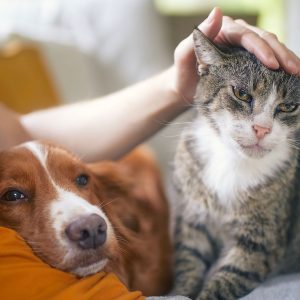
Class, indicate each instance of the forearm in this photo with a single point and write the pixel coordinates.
(108, 127)
(11, 131)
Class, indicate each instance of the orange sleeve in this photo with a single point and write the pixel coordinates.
(24, 276)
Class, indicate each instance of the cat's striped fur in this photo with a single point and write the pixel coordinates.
(238, 220)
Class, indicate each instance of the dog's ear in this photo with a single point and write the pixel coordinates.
(109, 179)
(207, 53)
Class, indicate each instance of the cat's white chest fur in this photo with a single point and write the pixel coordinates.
(228, 173)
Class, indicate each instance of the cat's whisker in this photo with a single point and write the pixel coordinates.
(170, 123)
(181, 123)
(293, 146)
(172, 136)
(293, 140)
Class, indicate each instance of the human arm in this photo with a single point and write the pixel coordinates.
(11, 130)
(108, 127)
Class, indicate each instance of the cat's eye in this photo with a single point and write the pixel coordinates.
(82, 180)
(13, 196)
(286, 107)
(241, 94)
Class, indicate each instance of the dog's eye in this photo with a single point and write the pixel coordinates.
(82, 180)
(13, 195)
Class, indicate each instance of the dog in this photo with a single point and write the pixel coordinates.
(85, 218)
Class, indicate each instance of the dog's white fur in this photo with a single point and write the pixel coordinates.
(65, 209)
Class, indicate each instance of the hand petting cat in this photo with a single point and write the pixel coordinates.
(224, 30)
(162, 97)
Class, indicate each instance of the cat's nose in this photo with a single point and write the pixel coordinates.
(260, 131)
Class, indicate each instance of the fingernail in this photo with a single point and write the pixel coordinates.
(211, 16)
(273, 61)
(292, 66)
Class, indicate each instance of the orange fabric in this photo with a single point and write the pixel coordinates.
(24, 276)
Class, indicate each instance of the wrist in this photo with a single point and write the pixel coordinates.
(179, 102)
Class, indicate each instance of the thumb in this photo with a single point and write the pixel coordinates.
(212, 24)
(210, 27)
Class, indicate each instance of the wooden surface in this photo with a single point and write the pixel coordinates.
(25, 83)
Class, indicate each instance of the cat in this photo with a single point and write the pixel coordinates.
(236, 175)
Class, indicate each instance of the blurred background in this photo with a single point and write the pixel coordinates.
(62, 51)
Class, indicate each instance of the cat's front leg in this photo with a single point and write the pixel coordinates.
(239, 272)
(195, 252)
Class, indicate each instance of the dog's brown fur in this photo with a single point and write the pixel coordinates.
(140, 214)
(128, 191)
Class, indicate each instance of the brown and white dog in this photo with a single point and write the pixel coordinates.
(82, 218)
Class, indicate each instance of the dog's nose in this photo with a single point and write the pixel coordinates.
(88, 232)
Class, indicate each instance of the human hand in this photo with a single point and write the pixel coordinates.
(12, 132)
(224, 30)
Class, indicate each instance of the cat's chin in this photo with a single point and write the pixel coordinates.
(254, 151)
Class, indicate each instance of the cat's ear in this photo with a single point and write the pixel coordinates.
(207, 53)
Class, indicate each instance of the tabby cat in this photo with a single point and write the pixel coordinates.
(236, 176)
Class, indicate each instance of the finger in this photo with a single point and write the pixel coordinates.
(210, 27)
(245, 24)
(212, 24)
(260, 48)
(298, 62)
(237, 34)
(286, 58)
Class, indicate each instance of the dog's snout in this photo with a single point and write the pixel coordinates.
(88, 232)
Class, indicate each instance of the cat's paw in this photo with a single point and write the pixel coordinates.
(207, 297)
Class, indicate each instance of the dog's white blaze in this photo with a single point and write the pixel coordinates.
(38, 151)
(66, 208)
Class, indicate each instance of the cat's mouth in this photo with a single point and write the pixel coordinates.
(255, 150)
